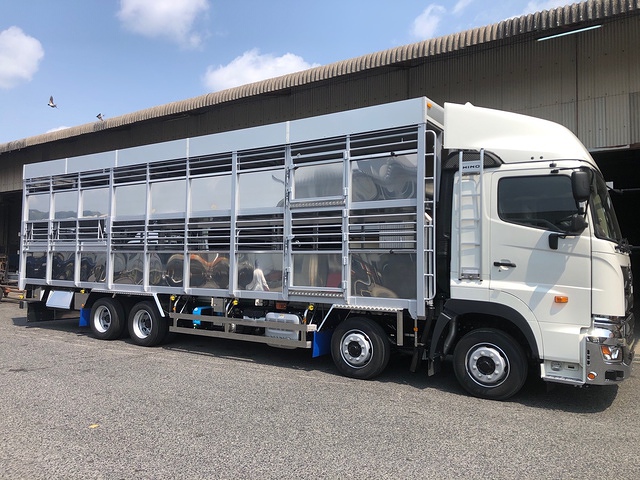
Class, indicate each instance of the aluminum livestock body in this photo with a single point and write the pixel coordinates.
(457, 232)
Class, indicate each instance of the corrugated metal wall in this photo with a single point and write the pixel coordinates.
(589, 81)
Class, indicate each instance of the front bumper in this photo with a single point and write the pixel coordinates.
(615, 341)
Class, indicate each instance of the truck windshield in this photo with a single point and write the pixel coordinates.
(605, 222)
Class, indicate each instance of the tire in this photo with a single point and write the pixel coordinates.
(490, 364)
(107, 319)
(146, 327)
(360, 348)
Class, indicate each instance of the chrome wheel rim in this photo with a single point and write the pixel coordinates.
(102, 319)
(487, 365)
(142, 324)
(356, 348)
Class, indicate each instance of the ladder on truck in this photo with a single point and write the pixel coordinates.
(470, 168)
(429, 250)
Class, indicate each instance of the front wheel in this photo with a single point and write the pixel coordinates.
(490, 364)
(360, 348)
(146, 327)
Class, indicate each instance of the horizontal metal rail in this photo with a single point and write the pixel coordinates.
(226, 323)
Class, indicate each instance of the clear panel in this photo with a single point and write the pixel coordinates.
(383, 275)
(95, 202)
(157, 269)
(38, 207)
(64, 231)
(131, 200)
(605, 222)
(317, 270)
(520, 201)
(211, 193)
(37, 232)
(168, 197)
(128, 268)
(63, 266)
(260, 271)
(92, 230)
(206, 270)
(384, 178)
(315, 181)
(93, 267)
(66, 204)
(261, 189)
(36, 265)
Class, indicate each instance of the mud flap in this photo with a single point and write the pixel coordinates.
(321, 343)
(85, 315)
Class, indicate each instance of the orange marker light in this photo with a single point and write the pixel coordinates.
(561, 299)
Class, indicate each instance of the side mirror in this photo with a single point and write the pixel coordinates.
(576, 226)
(581, 185)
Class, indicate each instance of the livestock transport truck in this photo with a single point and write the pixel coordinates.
(460, 233)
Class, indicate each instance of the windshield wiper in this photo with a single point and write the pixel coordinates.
(622, 191)
(624, 247)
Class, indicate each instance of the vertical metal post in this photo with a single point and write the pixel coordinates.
(233, 247)
(421, 238)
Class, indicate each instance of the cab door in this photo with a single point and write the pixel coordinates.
(547, 285)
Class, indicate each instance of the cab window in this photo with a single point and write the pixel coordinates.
(538, 201)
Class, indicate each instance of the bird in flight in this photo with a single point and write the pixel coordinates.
(99, 117)
(51, 104)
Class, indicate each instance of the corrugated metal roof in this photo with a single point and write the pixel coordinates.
(524, 27)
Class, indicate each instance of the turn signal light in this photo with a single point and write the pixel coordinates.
(610, 353)
(561, 299)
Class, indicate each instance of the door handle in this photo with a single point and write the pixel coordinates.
(504, 264)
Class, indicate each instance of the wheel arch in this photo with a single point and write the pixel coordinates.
(469, 315)
(126, 299)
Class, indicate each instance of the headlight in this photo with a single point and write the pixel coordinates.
(607, 327)
(599, 335)
(611, 353)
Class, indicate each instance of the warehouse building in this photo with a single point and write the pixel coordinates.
(577, 65)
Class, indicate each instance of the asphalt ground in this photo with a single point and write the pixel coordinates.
(73, 407)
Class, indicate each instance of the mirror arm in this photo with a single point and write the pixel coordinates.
(553, 240)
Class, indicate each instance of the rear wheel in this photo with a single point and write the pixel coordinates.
(146, 327)
(360, 348)
(107, 319)
(490, 364)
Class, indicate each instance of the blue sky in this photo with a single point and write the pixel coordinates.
(119, 56)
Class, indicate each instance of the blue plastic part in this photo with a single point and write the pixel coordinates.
(85, 315)
(321, 343)
(201, 310)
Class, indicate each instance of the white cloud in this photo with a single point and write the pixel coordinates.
(426, 24)
(252, 67)
(460, 6)
(540, 5)
(173, 19)
(20, 57)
